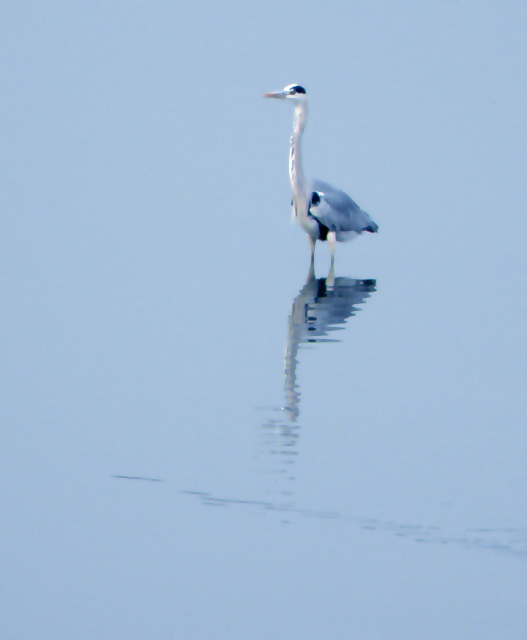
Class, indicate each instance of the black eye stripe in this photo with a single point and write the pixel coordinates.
(297, 89)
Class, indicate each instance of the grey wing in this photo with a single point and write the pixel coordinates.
(338, 212)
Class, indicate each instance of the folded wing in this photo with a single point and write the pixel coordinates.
(338, 212)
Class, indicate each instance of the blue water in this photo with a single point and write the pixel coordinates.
(201, 438)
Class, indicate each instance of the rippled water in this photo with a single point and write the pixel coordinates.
(321, 309)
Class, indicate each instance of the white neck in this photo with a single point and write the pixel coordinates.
(296, 172)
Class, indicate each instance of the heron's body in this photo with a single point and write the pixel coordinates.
(324, 212)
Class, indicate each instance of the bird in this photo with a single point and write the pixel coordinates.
(324, 212)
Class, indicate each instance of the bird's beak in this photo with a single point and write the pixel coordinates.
(280, 95)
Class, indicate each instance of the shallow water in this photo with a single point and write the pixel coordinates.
(202, 438)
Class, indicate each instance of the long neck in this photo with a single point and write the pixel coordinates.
(296, 172)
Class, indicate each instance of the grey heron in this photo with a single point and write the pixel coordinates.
(325, 213)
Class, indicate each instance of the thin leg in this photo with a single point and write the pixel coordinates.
(332, 239)
(311, 273)
(312, 247)
(330, 280)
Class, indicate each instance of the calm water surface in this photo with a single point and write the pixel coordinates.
(200, 438)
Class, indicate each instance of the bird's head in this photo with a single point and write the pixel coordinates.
(293, 92)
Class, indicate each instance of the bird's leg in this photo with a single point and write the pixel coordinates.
(311, 272)
(312, 243)
(332, 239)
(330, 280)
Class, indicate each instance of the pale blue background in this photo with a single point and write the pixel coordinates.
(148, 269)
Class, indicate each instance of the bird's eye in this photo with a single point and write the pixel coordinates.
(293, 89)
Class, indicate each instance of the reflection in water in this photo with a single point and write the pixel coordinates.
(321, 308)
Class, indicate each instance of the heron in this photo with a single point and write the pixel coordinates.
(324, 212)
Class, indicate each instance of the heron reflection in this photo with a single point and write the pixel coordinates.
(320, 309)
